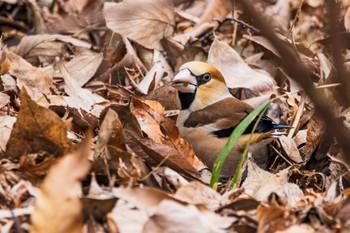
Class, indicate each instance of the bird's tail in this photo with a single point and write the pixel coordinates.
(276, 126)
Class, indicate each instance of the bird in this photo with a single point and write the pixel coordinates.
(209, 113)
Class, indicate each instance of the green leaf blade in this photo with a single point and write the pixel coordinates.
(232, 140)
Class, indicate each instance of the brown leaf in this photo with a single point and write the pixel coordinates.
(168, 155)
(84, 66)
(145, 22)
(79, 97)
(216, 9)
(31, 43)
(172, 132)
(6, 124)
(5, 64)
(347, 20)
(171, 216)
(70, 6)
(58, 207)
(36, 129)
(197, 193)
(260, 184)
(236, 72)
(36, 81)
(110, 146)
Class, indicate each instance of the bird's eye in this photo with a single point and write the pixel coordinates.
(206, 77)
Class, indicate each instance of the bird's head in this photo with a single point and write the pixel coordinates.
(199, 85)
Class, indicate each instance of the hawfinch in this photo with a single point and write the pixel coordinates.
(209, 114)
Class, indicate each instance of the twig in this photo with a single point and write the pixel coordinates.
(295, 69)
(297, 116)
(295, 19)
(244, 24)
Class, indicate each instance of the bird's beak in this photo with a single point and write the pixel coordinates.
(185, 82)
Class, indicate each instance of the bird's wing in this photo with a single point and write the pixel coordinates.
(223, 116)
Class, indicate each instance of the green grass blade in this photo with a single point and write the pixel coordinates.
(243, 156)
(232, 140)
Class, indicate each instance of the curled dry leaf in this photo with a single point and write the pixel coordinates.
(216, 9)
(5, 64)
(6, 123)
(4, 100)
(290, 148)
(236, 72)
(148, 124)
(172, 216)
(79, 97)
(58, 207)
(71, 6)
(159, 69)
(36, 129)
(197, 193)
(260, 184)
(110, 148)
(36, 81)
(30, 43)
(146, 22)
(172, 132)
(84, 66)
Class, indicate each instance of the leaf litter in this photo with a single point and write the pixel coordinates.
(88, 140)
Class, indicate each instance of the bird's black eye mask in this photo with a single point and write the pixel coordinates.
(201, 79)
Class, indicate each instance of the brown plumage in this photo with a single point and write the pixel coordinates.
(209, 113)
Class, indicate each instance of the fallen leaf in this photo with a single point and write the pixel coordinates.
(173, 133)
(146, 22)
(79, 97)
(4, 100)
(159, 70)
(71, 6)
(36, 81)
(197, 193)
(30, 43)
(236, 72)
(58, 207)
(36, 129)
(6, 124)
(260, 184)
(171, 216)
(290, 148)
(110, 147)
(83, 67)
(5, 64)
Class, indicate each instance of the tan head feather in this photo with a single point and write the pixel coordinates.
(199, 68)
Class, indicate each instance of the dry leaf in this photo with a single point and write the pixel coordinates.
(110, 147)
(146, 22)
(260, 184)
(236, 72)
(217, 9)
(197, 193)
(290, 148)
(58, 207)
(36, 129)
(4, 100)
(71, 6)
(6, 124)
(30, 43)
(173, 133)
(36, 81)
(159, 70)
(5, 64)
(127, 218)
(83, 67)
(79, 97)
(171, 216)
